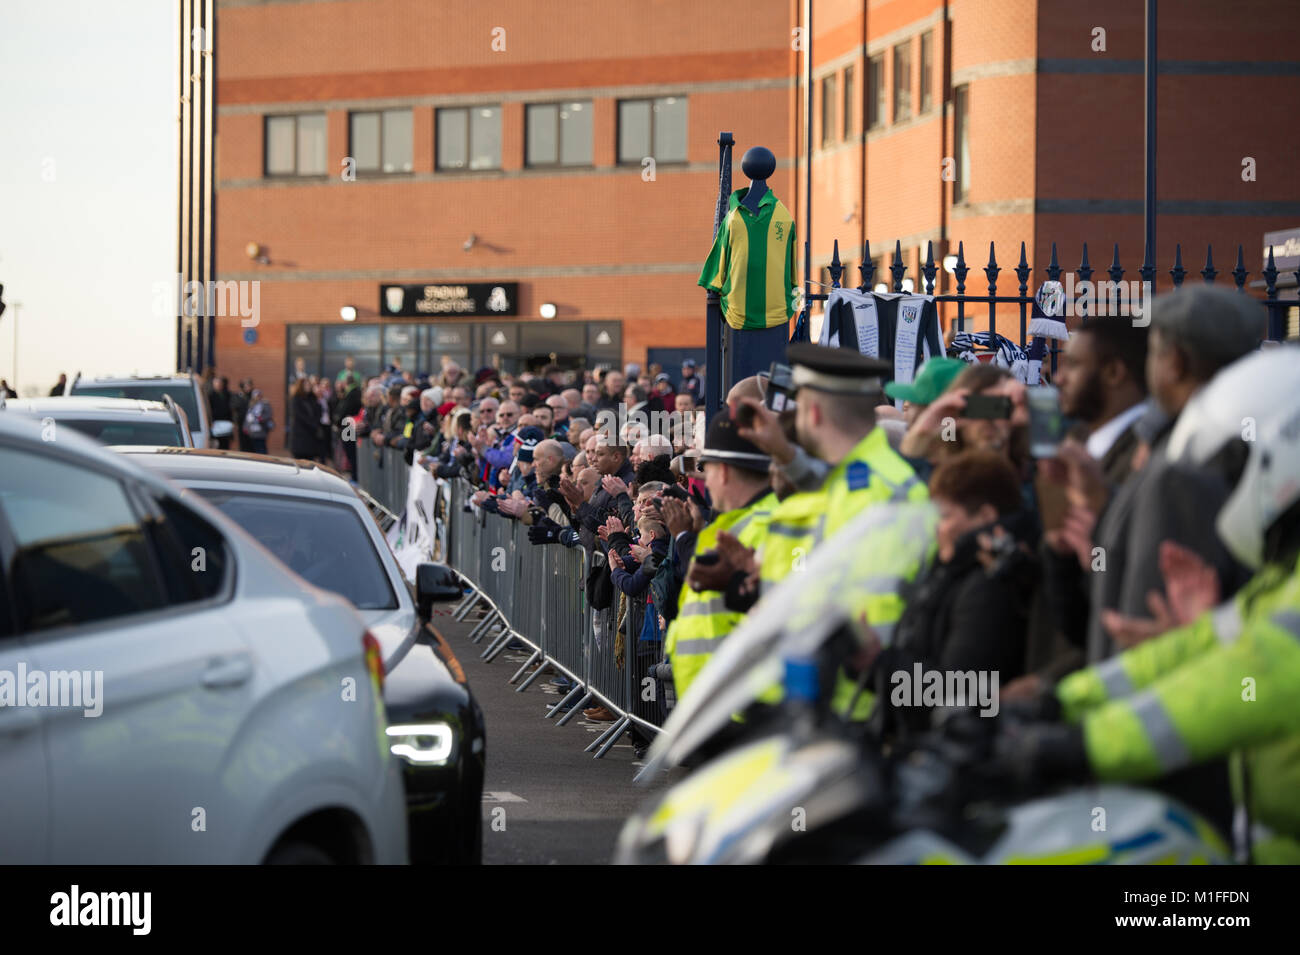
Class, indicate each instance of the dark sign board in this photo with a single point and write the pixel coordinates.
(476, 298)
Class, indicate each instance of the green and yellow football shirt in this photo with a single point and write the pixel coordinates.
(752, 263)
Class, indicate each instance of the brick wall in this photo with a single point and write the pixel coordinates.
(1054, 126)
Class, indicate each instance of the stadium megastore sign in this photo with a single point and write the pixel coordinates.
(476, 298)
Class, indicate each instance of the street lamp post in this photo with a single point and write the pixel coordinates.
(17, 307)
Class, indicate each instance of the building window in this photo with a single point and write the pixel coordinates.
(559, 134)
(848, 102)
(902, 81)
(927, 70)
(876, 91)
(961, 143)
(652, 127)
(828, 111)
(382, 141)
(469, 138)
(295, 145)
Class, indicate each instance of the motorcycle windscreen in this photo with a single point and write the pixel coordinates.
(885, 543)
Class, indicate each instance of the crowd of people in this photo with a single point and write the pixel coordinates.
(605, 459)
(1056, 570)
(1061, 571)
(1128, 586)
(247, 409)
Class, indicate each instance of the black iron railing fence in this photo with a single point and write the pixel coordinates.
(967, 301)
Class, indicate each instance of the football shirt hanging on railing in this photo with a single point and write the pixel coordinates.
(895, 327)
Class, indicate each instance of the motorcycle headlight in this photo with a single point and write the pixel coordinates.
(421, 744)
(682, 837)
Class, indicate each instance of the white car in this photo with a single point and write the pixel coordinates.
(312, 520)
(184, 388)
(169, 691)
(110, 421)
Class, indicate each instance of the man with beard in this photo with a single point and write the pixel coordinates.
(1103, 387)
(1102, 379)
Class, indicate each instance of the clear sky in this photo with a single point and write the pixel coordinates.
(88, 125)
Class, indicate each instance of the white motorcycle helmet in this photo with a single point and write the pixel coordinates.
(1255, 400)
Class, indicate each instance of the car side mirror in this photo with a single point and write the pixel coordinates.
(434, 583)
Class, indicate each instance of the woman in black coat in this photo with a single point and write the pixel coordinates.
(219, 402)
(305, 439)
(969, 611)
(348, 406)
(239, 402)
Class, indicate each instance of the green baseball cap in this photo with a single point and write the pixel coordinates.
(932, 380)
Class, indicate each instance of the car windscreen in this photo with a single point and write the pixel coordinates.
(181, 393)
(324, 543)
(166, 434)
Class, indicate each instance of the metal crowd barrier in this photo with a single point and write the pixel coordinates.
(536, 595)
(383, 474)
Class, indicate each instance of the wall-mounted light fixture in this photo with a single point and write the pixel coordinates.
(348, 313)
(547, 310)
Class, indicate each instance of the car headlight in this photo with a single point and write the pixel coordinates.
(421, 744)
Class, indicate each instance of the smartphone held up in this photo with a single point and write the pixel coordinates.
(1046, 422)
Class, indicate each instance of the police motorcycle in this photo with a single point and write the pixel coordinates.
(800, 784)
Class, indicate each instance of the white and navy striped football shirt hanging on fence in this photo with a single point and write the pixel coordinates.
(892, 326)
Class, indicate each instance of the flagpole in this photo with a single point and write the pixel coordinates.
(715, 329)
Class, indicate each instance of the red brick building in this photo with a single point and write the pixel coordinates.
(615, 246)
(1036, 109)
(362, 145)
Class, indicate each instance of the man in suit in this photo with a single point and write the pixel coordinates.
(1195, 331)
(1165, 510)
(1103, 387)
